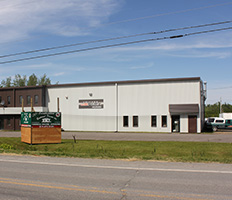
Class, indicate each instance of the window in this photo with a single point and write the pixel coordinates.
(36, 99)
(28, 100)
(8, 100)
(135, 121)
(20, 100)
(211, 119)
(219, 121)
(164, 121)
(125, 121)
(153, 121)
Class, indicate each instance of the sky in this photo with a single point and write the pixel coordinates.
(27, 25)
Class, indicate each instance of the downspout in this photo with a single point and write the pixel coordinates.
(116, 101)
(13, 98)
(44, 95)
(204, 99)
(200, 106)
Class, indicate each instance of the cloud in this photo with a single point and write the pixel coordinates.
(200, 54)
(39, 66)
(216, 41)
(217, 46)
(59, 74)
(66, 18)
(142, 66)
(178, 46)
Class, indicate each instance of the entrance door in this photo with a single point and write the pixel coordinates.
(192, 123)
(175, 123)
(17, 122)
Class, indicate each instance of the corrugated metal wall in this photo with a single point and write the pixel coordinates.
(74, 118)
(146, 100)
(125, 99)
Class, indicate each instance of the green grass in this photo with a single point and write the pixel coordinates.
(167, 151)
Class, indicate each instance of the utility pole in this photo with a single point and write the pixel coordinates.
(220, 105)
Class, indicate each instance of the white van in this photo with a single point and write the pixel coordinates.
(215, 123)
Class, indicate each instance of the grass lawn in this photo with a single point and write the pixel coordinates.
(141, 150)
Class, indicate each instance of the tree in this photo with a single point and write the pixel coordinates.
(214, 109)
(19, 81)
(227, 107)
(44, 80)
(32, 80)
(6, 83)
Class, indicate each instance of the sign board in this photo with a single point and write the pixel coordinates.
(91, 104)
(26, 119)
(41, 119)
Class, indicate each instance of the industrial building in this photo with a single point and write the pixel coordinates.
(157, 105)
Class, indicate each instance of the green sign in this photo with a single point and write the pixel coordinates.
(41, 119)
(26, 119)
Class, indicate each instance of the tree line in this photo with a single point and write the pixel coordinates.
(213, 110)
(20, 81)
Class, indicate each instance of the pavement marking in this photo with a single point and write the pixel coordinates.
(171, 197)
(116, 167)
(95, 191)
(46, 183)
(59, 187)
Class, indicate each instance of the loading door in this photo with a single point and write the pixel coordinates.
(192, 124)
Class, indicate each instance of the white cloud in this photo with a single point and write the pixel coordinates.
(59, 74)
(217, 46)
(21, 18)
(178, 46)
(142, 66)
(200, 54)
(38, 66)
(216, 41)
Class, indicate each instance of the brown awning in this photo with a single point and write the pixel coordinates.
(183, 108)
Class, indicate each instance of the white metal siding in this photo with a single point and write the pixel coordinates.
(150, 99)
(74, 118)
(125, 99)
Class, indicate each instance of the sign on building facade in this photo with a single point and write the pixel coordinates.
(91, 104)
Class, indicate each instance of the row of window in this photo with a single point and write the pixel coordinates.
(8, 99)
(28, 102)
(153, 121)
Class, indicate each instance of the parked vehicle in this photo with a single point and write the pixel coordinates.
(228, 123)
(215, 123)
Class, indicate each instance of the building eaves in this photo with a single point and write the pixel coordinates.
(107, 83)
(22, 88)
(127, 82)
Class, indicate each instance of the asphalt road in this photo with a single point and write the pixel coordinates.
(28, 177)
(225, 137)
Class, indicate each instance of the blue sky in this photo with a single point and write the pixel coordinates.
(28, 25)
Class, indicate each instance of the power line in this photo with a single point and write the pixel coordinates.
(221, 88)
(15, 5)
(114, 38)
(114, 45)
(170, 13)
(146, 17)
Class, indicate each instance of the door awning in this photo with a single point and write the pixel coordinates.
(183, 108)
